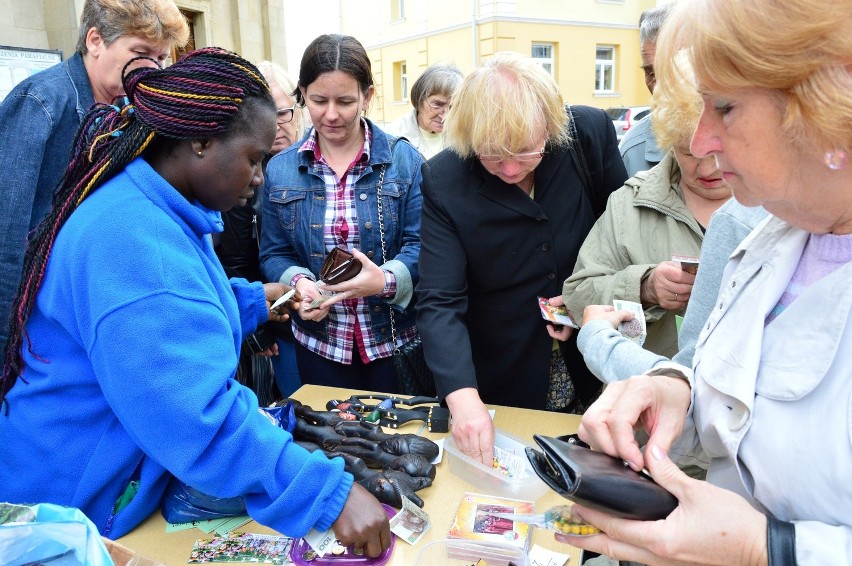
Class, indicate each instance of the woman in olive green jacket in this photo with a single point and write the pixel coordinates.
(655, 215)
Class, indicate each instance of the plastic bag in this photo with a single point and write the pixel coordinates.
(184, 504)
(52, 534)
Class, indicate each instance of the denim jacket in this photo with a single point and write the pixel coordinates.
(294, 215)
(38, 122)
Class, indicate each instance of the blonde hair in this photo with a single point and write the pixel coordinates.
(276, 75)
(798, 50)
(504, 106)
(676, 107)
(153, 20)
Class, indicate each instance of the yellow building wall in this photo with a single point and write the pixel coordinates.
(442, 30)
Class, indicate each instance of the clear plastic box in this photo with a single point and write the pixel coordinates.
(526, 486)
(438, 552)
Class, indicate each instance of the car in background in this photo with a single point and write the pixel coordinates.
(624, 117)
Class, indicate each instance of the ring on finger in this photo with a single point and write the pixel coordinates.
(676, 297)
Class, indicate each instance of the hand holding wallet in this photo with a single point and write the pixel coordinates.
(339, 266)
(598, 480)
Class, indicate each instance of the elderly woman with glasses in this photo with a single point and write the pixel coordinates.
(431, 94)
(505, 212)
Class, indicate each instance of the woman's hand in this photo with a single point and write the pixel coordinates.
(668, 286)
(369, 281)
(363, 523)
(607, 313)
(710, 525)
(473, 429)
(273, 292)
(310, 293)
(658, 403)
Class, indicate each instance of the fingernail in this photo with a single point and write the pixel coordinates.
(657, 452)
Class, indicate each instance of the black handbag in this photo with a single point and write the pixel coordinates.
(412, 374)
(598, 480)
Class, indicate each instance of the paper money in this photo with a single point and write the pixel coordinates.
(281, 300)
(321, 542)
(411, 523)
(636, 329)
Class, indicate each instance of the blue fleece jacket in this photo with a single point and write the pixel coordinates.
(134, 341)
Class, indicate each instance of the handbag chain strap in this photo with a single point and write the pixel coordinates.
(382, 241)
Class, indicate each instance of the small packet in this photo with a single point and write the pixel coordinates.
(558, 315)
(688, 263)
(558, 519)
(636, 329)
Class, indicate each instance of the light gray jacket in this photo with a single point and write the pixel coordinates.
(771, 403)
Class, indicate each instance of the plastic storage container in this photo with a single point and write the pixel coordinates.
(439, 552)
(526, 485)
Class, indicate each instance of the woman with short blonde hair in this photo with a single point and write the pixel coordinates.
(504, 214)
(491, 117)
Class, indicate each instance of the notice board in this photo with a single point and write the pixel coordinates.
(18, 63)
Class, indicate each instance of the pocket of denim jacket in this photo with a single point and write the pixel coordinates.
(288, 205)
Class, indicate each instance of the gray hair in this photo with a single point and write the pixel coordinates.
(438, 79)
(651, 21)
(277, 75)
(156, 21)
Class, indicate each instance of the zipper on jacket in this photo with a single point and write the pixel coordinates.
(254, 233)
(112, 513)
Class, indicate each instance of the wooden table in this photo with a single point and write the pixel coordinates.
(441, 499)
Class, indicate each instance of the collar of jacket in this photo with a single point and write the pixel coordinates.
(659, 188)
(510, 196)
(380, 144)
(80, 79)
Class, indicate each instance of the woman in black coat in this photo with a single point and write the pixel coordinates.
(505, 211)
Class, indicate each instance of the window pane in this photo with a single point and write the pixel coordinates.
(541, 51)
(604, 53)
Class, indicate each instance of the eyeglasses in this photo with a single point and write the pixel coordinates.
(528, 156)
(285, 115)
(438, 105)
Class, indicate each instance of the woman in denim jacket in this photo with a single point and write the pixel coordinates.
(40, 116)
(321, 193)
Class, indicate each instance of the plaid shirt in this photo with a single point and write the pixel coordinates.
(348, 320)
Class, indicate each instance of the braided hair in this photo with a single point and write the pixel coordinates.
(200, 96)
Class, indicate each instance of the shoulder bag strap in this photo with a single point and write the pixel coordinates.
(381, 214)
(578, 156)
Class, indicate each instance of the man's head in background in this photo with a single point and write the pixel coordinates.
(649, 27)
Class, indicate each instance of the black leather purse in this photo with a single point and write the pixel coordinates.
(598, 480)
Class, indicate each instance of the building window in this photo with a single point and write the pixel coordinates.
(542, 53)
(397, 10)
(605, 68)
(177, 52)
(400, 81)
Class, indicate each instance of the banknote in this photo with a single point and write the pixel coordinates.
(636, 329)
(411, 523)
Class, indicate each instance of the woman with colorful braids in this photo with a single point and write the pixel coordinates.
(126, 331)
